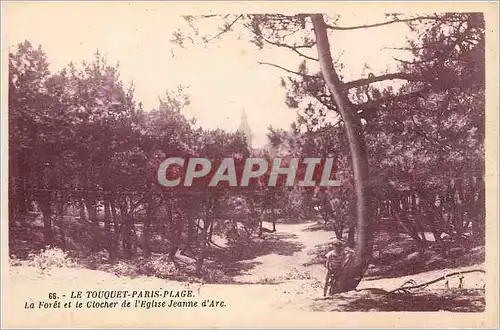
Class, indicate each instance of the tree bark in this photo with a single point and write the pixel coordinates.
(91, 206)
(351, 275)
(109, 237)
(19, 204)
(176, 232)
(81, 210)
(60, 221)
(207, 222)
(127, 229)
(201, 255)
(481, 211)
(351, 235)
(45, 206)
(273, 215)
(115, 231)
(146, 234)
(191, 229)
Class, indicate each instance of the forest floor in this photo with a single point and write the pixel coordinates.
(287, 273)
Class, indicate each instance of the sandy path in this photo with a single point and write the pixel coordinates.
(297, 292)
(298, 288)
(277, 266)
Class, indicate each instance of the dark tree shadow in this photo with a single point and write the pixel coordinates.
(245, 249)
(461, 300)
(395, 255)
(234, 260)
(237, 268)
(437, 300)
(411, 263)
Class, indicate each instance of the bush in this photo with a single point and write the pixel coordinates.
(159, 266)
(216, 276)
(50, 257)
(270, 280)
(295, 274)
(15, 261)
(122, 268)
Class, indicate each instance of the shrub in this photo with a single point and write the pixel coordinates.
(295, 274)
(270, 280)
(50, 257)
(15, 261)
(159, 266)
(122, 268)
(216, 276)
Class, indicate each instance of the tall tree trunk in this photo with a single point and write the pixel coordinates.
(273, 216)
(339, 231)
(109, 237)
(191, 229)
(45, 206)
(197, 230)
(162, 223)
(176, 232)
(210, 231)
(60, 221)
(146, 233)
(207, 222)
(127, 230)
(21, 199)
(254, 216)
(116, 229)
(81, 210)
(351, 235)
(203, 246)
(352, 274)
(22, 204)
(91, 206)
(107, 220)
(481, 210)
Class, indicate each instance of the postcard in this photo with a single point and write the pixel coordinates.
(249, 164)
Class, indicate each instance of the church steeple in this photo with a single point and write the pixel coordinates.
(245, 129)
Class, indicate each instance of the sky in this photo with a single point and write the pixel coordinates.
(222, 78)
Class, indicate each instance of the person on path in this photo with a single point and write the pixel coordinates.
(336, 259)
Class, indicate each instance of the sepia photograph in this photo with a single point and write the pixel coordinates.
(235, 164)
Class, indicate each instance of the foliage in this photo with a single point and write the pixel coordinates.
(51, 257)
(83, 154)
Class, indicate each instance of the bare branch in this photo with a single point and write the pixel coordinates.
(389, 76)
(304, 55)
(283, 45)
(395, 98)
(437, 280)
(285, 69)
(225, 29)
(397, 20)
(407, 62)
(403, 48)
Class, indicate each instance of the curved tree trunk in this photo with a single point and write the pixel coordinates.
(352, 274)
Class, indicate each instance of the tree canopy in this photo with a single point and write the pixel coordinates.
(410, 157)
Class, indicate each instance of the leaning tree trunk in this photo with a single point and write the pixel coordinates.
(351, 275)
